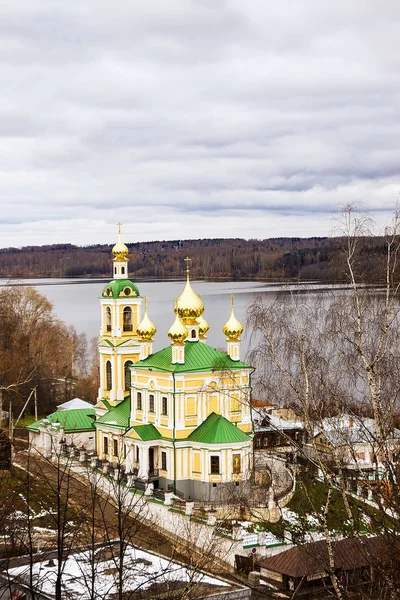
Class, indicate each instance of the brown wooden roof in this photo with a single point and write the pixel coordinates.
(350, 553)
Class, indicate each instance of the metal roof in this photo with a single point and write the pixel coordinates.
(216, 429)
(198, 357)
(147, 432)
(81, 419)
(118, 416)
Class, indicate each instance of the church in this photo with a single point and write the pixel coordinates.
(179, 418)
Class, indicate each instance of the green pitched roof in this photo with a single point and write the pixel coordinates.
(217, 430)
(78, 419)
(198, 357)
(118, 416)
(147, 432)
(115, 287)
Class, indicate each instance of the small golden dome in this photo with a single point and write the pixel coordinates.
(146, 328)
(177, 333)
(189, 305)
(120, 250)
(203, 326)
(233, 329)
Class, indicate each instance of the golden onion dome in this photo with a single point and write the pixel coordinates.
(203, 326)
(146, 328)
(120, 250)
(189, 305)
(177, 333)
(233, 329)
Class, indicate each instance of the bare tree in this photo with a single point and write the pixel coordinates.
(335, 359)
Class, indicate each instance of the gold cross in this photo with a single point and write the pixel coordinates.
(232, 297)
(187, 261)
(119, 227)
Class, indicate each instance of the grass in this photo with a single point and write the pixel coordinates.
(308, 504)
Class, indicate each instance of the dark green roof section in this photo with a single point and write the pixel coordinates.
(118, 416)
(116, 286)
(78, 419)
(216, 429)
(147, 432)
(198, 357)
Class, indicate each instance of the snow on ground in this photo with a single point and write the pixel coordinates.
(141, 570)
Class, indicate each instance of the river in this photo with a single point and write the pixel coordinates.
(76, 302)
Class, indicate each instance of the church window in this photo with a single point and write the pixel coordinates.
(127, 291)
(164, 406)
(151, 403)
(139, 401)
(236, 464)
(122, 270)
(108, 376)
(105, 445)
(108, 318)
(163, 461)
(214, 465)
(127, 373)
(115, 447)
(127, 318)
(193, 334)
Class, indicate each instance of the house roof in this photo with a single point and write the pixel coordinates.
(118, 416)
(147, 432)
(81, 419)
(217, 430)
(310, 559)
(198, 357)
(73, 404)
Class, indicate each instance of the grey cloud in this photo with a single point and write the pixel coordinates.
(239, 114)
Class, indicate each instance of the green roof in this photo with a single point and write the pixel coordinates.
(78, 419)
(217, 430)
(118, 416)
(147, 432)
(198, 357)
(116, 286)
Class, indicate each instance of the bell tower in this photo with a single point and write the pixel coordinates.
(120, 344)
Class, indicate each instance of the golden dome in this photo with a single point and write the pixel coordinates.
(146, 328)
(177, 333)
(233, 329)
(120, 251)
(203, 326)
(189, 305)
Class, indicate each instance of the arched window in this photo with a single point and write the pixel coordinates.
(127, 318)
(127, 372)
(108, 375)
(193, 334)
(108, 318)
(122, 270)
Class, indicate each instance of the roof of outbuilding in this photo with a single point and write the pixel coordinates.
(216, 429)
(310, 559)
(198, 357)
(119, 415)
(81, 419)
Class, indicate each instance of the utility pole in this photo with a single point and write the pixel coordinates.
(35, 400)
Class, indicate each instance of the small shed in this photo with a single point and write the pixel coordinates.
(306, 568)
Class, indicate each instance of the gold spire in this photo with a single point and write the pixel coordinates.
(120, 251)
(189, 305)
(233, 329)
(203, 326)
(177, 333)
(146, 328)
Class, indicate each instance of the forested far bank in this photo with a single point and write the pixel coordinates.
(275, 258)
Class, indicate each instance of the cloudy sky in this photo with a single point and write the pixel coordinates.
(195, 118)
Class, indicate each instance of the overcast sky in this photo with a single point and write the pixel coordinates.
(195, 118)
